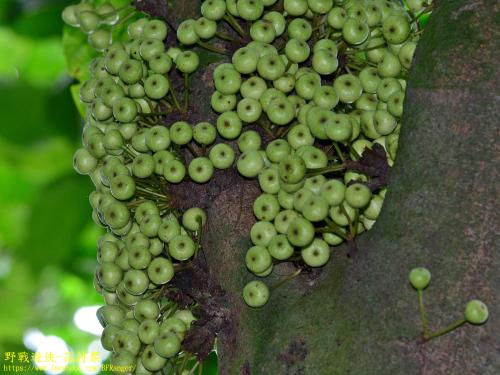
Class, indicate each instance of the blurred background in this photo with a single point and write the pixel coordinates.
(47, 237)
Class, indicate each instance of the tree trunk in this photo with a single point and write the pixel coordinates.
(359, 315)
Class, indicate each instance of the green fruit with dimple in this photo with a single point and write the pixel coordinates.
(147, 331)
(250, 163)
(152, 360)
(396, 29)
(84, 162)
(156, 86)
(292, 170)
(358, 195)
(280, 248)
(123, 359)
(126, 341)
(160, 271)
(108, 336)
(139, 258)
(420, 278)
(262, 232)
(316, 254)
(146, 309)
(256, 294)
(476, 312)
(300, 232)
(167, 345)
(258, 259)
(136, 282)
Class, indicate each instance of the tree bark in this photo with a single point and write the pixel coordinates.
(359, 315)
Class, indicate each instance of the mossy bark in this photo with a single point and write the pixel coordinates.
(359, 315)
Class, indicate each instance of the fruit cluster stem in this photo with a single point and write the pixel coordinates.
(176, 102)
(234, 24)
(421, 13)
(226, 37)
(124, 19)
(451, 327)
(421, 309)
(186, 92)
(117, 10)
(211, 48)
(333, 168)
(339, 152)
(285, 279)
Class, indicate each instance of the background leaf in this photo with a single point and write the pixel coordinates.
(40, 62)
(36, 112)
(40, 21)
(58, 216)
(16, 290)
(77, 52)
(75, 94)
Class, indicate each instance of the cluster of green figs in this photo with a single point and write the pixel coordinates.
(313, 85)
(324, 81)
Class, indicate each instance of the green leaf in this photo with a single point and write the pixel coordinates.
(58, 215)
(42, 20)
(13, 219)
(45, 161)
(15, 194)
(210, 364)
(15, 289)
(8, 10)
(15, 187)
(37, 113)
(39, 62)
(75, 94)
(88, 239)
(78, 53)
(23, 172)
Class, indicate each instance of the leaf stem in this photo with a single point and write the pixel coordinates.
(117, 10)
(333, 168)
(421, 309)
(354, 51)
(421, 13)
(199, 235)
(122, 20)
(129, 151)
(357, 156)
(354, 232)
(151, 192)
(226, 37)
(153, 114)
(351, 226)
(234, 24)
(174, 97)
(335, 229)
(194, 368)
(264, 125)
(186, 92)
(457, 323)
(183, 365)
(285, 279)
(211, 48)
(339, 152)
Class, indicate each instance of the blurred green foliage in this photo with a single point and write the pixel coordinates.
(47, 237)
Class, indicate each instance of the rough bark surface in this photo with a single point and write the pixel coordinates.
(359, 315)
